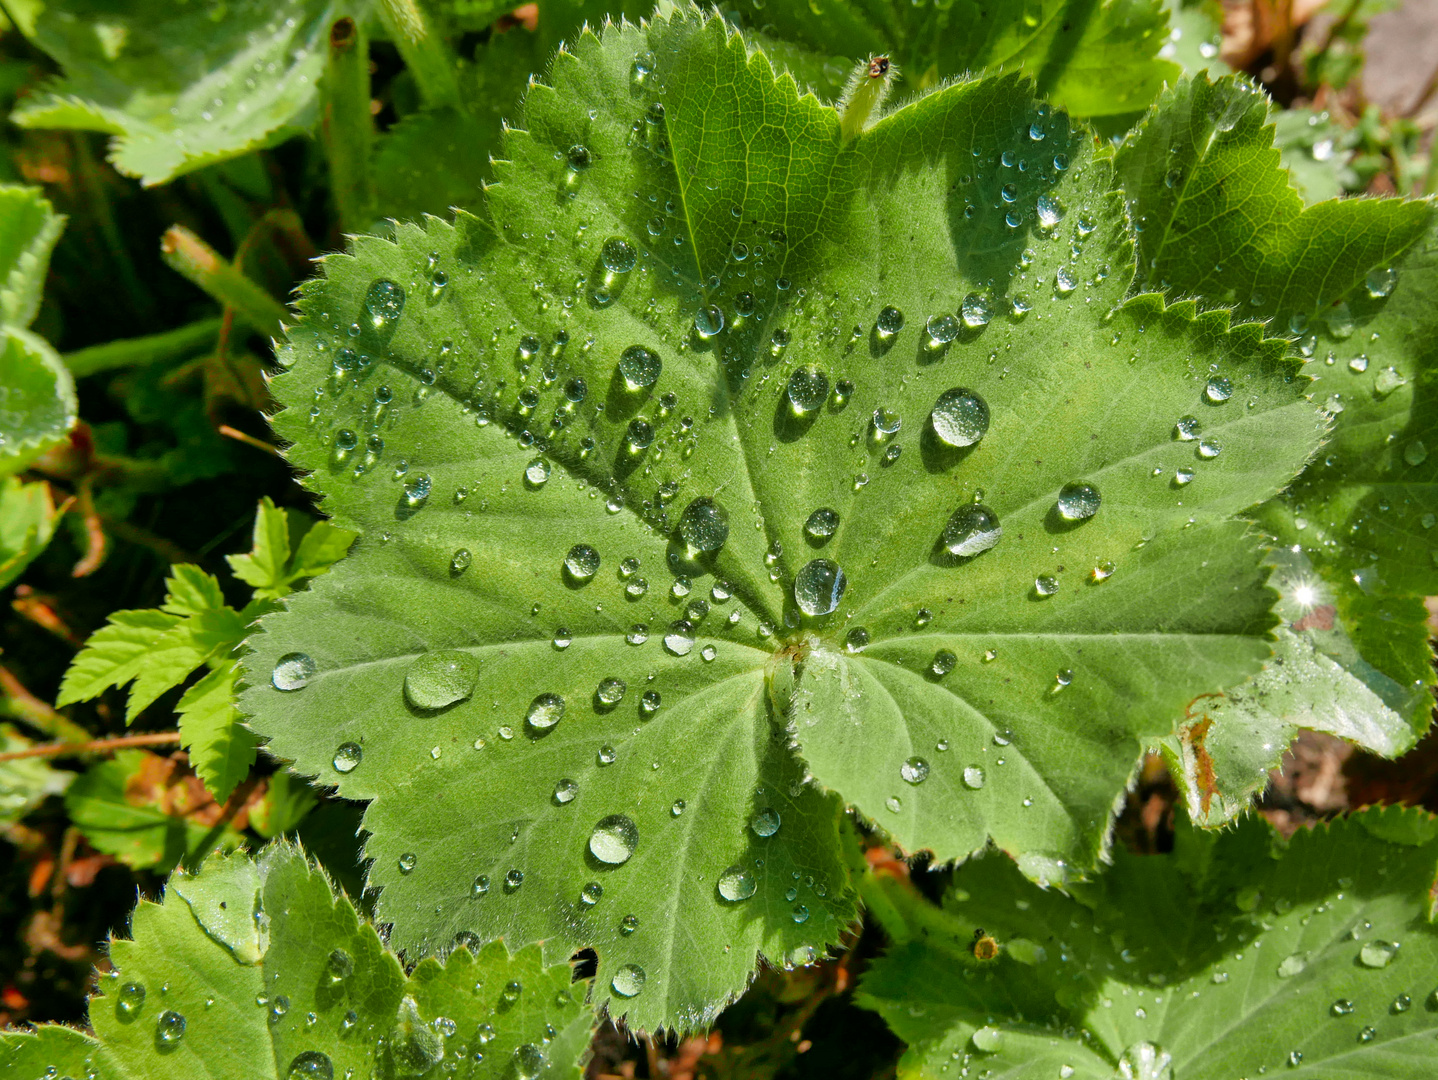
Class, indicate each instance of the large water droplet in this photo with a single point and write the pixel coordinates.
(704, 525)
(974, 777)
(618, 255)
(915, 770)
(440, 678)
(708, 321)
(565, 790)
(311, 1065)
(347, 756)
(765, 822)
(611, 691)
(819, 586)
(1186, 429)
(737, 883)
(628, 980)
(545, 711)
(639, 367)
(1380, 282)
(942, 329)
(808, 389)
(384, 301)
(614, 839)
(1145, 1061)
(960, 417)
(293, 671)
(1078, 501)
(340, 966)
(582, 562)
(987, 1039)
(169, 1026)
(1291, 965)
(528, 1061)
(680, 638)
(976, 311)
(1218, 389)
(972, 530)
(890, 321)
(130, 1000)
(1378, 953)
(822, 524)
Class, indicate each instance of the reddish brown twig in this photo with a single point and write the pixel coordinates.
(94, 746)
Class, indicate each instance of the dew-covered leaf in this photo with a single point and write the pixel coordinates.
(179, 85)
(611, 449)
(257, 969)
(1236, 955)
(28, 517)
(140, 808)
(1216, 217)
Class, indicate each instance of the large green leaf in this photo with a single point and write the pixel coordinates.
(258, 969)
(447, 429)
(181, 84)
(1237, 954)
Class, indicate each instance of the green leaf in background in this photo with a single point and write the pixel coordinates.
(37, 392)
(1094, 58)
(1235, 955)
(288, 549)
(253, 969)
(1316, 679)
(288, 801)
(25, 782)
(134, 808)
(221, 748)
(566, 680)
(1216, 217)
(27, 521)
(156, 650)
(1317, 154)
(181, 84)
(1195, 36)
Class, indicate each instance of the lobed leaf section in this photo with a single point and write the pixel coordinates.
(1236, 954)
(256, 968)
(582, 662)
(180, 86)
(1353, 284)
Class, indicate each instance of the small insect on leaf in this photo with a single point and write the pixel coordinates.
(985, 947)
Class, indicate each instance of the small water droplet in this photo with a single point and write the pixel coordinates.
(1046, 584)
(1380, 282)
(942, 329)
(1378, 953)
(890, 321)
(582, 562)
(708, 321)
(528, 1061)
(960, 417)
(974, 777)
(311, 1065)
(704, 525)
(807, 390)
(639, 367)
(618, 255)
(972, 530)
(384, 301)
(943, 662)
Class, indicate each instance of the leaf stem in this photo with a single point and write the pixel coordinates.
(424, 52)
(177, 344)
(24, 706)
(93, 746)
(348, 127)
(188, 255)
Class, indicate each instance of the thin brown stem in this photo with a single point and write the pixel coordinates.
(93, 746)
(248, 440)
